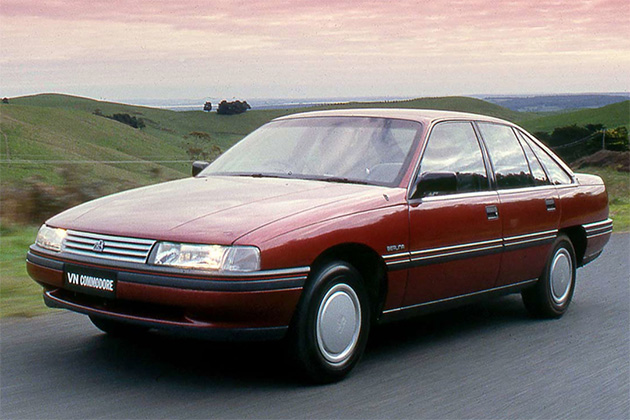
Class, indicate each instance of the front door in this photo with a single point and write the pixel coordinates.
(455, 234)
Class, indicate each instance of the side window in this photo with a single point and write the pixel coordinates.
(556, 173)
(453, 147)
(540, 178)
(508, 159)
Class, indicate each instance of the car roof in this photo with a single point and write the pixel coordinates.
(420, 115)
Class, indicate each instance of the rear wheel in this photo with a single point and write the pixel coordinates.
(116, 328)
(552, 294)
(331, 326)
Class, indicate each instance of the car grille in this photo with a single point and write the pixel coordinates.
(117, 248)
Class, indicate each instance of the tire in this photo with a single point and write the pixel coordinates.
(332, 322)
(552, 294)
(116, 328)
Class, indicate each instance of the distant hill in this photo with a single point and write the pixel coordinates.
(555, 103)
(610, 116)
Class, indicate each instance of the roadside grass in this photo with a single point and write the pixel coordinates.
(19, 295)
(618, 186)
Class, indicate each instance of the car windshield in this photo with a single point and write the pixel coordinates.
(336, 149)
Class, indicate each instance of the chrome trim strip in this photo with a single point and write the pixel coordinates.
(405, 261)
(470, 248)
(531, 235)
(448, 254)
(527, 241)
(452, 247)
(598, 230)
(594, 225)
(455, 196)
(607, 232)
(276, 272)
(507, 286)
(389, 257)
(527, 189)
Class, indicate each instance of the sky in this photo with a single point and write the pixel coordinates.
(166, 49)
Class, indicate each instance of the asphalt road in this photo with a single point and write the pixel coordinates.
(481, 361)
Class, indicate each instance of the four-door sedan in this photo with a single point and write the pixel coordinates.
(317, 225)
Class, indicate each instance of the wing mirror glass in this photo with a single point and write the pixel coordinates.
(434, 183)
(198, 166)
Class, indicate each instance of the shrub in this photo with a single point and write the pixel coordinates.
(231, 108)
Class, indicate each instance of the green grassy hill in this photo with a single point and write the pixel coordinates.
(611, 116)
(38, 133)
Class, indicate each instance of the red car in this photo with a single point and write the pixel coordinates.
(317, 225)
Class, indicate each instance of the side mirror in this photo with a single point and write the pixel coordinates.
(435, 182)
(198, 166)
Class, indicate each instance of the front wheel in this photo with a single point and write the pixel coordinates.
(331, 326)
(551, 295)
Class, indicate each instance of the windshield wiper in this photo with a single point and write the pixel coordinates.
(342, 180)
(261, 175)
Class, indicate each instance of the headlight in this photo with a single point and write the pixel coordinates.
(50, 238)
(206, 257)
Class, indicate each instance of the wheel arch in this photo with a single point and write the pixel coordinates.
(367, 262)
(577, 236)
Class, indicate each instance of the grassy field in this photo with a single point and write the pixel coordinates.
(618, 186)
(19, 295)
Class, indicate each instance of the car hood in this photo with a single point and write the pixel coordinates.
(217, 209)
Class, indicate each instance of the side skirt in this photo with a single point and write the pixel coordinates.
(447, 303)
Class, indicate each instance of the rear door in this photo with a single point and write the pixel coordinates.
(528, 204)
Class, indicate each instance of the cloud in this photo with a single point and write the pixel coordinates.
(342, 38)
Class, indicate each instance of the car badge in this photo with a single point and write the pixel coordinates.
(99, 246)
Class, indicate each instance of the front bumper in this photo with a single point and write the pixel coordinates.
(252, 306)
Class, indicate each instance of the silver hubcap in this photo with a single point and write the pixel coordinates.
(338, 324)
(561, 276)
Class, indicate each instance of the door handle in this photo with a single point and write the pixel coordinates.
(551, 204)
(492, 212)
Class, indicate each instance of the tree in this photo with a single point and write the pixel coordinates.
(231, 108)
(617, 139)
(5, 100)
(207, 106)
(568, 134)
(129, 120)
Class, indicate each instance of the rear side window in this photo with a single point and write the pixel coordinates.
(508, 159)
(556, 173)
(453, 147)
(540, 178)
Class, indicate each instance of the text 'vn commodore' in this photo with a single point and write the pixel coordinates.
(318, 225)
